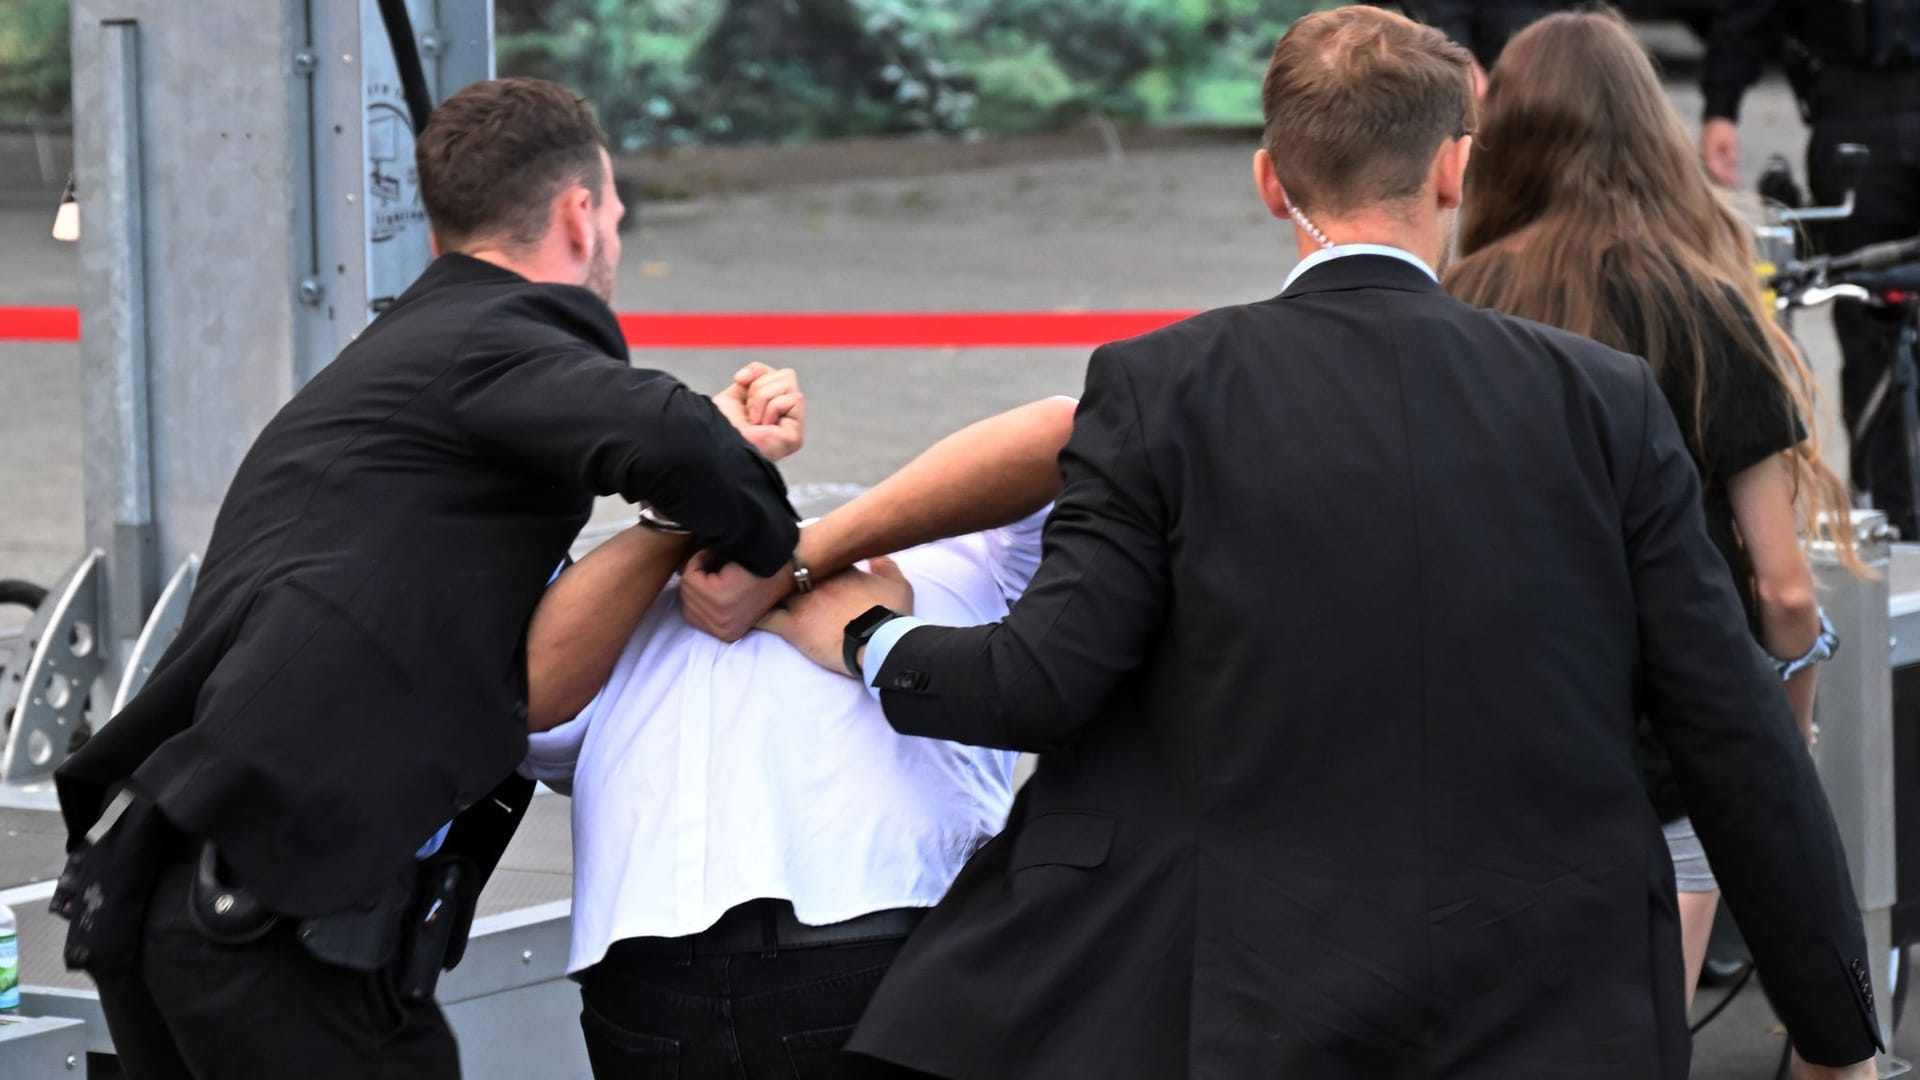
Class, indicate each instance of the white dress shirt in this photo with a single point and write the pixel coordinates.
(705, 775)
(1341, 251)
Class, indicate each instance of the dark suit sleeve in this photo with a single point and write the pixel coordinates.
(1744, 773)
(1745, 34)
(581, 416)
(1088, 618)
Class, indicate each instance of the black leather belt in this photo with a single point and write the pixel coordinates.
(760, 926)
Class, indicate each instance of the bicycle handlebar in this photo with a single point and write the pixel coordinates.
(1902, 278)
(1874, 257)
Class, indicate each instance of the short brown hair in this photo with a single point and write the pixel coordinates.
(1357, 102)
(494, 155)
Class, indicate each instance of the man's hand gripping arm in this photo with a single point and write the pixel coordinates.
(588, 614)
(983, 476)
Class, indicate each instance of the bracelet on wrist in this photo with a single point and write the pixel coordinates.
(1822, 650)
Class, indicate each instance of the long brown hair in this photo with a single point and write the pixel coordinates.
(1586, 208)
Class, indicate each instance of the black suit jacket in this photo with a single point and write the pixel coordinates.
(351, 672)
(1349, 603)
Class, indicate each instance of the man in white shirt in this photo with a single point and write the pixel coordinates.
(752, 841)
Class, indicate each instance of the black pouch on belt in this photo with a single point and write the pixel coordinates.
(437, 926)
(366, 937)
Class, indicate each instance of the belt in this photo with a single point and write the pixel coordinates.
(760, 926)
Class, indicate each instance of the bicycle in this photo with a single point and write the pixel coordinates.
(1885, 275)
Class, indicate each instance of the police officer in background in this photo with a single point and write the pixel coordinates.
(1855, 65)
(1483, 26)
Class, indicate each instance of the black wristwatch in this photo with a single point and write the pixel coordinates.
(860, 631)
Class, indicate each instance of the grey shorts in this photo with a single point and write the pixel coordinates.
(1690, 870)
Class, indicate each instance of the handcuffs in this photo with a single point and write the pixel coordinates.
(654, 520)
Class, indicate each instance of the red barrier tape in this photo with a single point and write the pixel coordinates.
(39, 324)
(906, 330)
(806, 330)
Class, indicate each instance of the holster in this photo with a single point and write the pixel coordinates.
(437, 926)
(421, 926)
(223, 914)
(367, 936)
(414, 927)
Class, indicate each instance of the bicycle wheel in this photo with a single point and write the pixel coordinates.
(21, 593)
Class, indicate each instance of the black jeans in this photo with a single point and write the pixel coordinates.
(196, 1010)
(1881, 112)
(743, 1016)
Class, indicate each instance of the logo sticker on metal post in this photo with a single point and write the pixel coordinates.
(398, 244)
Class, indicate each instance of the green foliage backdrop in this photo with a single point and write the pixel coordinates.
(35, 63)
(672, 72)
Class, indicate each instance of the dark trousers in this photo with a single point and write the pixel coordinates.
(266, 1010)
(1881, 112)
(664, 1009)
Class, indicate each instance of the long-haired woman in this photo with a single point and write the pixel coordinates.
(1586, 208)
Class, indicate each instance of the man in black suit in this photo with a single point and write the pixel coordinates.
(278, 844)
(1347, 609)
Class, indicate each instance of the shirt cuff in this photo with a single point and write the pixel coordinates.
(882, 643)
(432, 847)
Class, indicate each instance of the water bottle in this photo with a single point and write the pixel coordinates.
(9, 963)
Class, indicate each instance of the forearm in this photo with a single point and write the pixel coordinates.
(1789, 618)
(1800, 694)
(1089, 619)
(983, 476)
(584, 620)
(1788, 628)
(1787, 606)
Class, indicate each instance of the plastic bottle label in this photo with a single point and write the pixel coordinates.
(9, 972)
